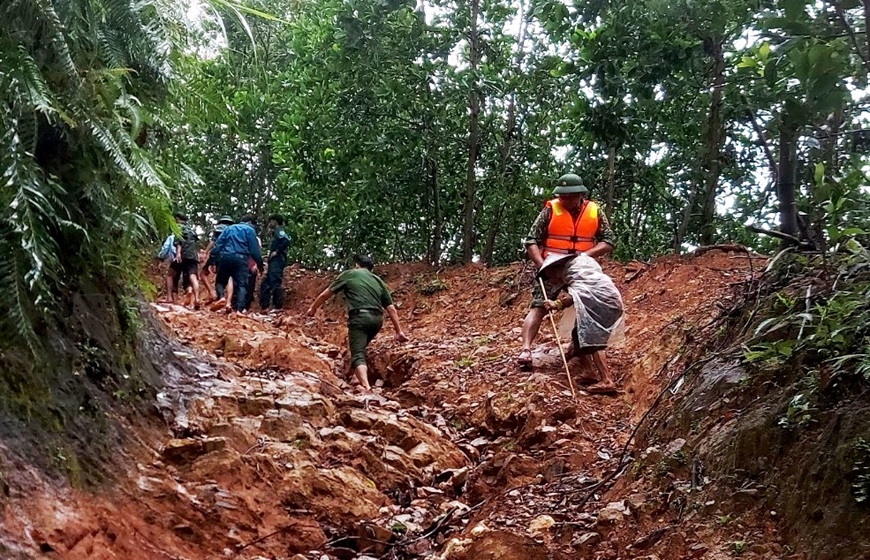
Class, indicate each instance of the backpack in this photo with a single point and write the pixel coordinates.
(168, 250)
(188, 242)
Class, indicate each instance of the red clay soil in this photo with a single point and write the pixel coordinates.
(267, 451)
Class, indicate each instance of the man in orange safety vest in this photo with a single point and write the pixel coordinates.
(568, 224)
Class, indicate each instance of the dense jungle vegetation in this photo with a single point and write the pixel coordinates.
(429, 130)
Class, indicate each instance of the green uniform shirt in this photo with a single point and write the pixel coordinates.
(362, 289)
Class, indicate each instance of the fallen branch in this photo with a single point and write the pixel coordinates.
(725, 247)
(434, 529)
(261, 539)
(431, 532)
(635, 274)
(775, 233)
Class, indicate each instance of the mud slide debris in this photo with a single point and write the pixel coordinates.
(261, 449)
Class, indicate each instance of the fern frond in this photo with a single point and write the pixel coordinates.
(85, 63)
(148, 174)
(188, 177)
(56, 28)
(112, 52)
(107, 142)
(23, 76)
(133, 108)
(31, 211)
(16, 322)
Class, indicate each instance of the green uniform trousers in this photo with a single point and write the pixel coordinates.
(361, 329)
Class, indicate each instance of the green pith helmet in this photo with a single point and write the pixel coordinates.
(570, 183)
(226, 220)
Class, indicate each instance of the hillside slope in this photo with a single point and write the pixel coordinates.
(258, 446)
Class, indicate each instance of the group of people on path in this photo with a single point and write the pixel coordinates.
(569, 233)
(234, 256)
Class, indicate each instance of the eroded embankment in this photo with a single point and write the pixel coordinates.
(264, 451)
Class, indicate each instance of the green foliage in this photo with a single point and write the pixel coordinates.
(816, 335)
(772, 354)
(353, 118)
(465, 362)
(430, 285)
(799, 412)
(85, 88)
(861, 472)
(739, 547)
(826, 328)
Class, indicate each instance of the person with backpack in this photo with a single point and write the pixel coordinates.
(167, 254)
(185, 266)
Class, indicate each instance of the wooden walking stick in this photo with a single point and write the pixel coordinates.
(558, 341)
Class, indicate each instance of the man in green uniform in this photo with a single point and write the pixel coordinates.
(270, 287)
(366, 297)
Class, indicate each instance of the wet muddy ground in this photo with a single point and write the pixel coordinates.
(259, 445)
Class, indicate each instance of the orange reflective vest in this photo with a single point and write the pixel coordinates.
(566, 235)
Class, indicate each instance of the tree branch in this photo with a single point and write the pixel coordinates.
(774, 233)
(851, 32)
(866, 34)
(763, 140)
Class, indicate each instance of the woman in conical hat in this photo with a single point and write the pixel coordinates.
(599, 313)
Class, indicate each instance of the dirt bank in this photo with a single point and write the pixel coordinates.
(258, 447)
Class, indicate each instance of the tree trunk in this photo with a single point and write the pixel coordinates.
(785, 188)
(507, 144)
(715, 137)
(611, 183)
(505, 153)
(473, 133)
(437, 218)
(687, 216)
(866, 29)
(629, 200)
(830, 158)
(491, 234)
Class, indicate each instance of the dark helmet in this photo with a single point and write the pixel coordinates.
(570, 183)
(226, 220)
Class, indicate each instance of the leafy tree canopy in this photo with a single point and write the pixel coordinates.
(421, 130)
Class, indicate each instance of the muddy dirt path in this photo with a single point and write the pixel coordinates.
(266, 451)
